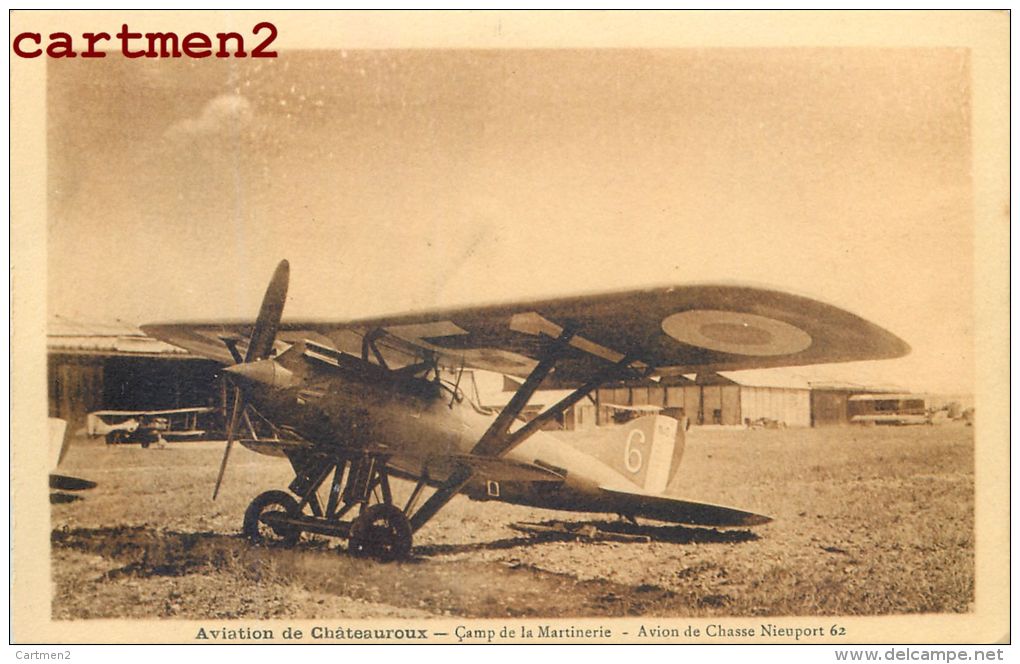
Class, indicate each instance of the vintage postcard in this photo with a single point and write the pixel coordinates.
(500, 327)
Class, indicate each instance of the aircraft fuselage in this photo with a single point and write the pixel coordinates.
(422, 426)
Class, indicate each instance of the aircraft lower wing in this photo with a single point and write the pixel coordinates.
(439, 468)
(664, 508)
(275, 446)
(492, 468)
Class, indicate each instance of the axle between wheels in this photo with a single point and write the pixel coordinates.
(380, 530)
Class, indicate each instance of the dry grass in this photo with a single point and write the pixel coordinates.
(868, 521)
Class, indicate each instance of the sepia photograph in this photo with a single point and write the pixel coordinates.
(513, 337)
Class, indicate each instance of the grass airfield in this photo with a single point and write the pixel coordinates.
(868, 521)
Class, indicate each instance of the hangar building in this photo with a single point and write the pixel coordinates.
(830, 401)
(94, 366)
(491, 390)
(728, 398)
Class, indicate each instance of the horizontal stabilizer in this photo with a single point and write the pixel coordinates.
(663, 508)
(68, 483)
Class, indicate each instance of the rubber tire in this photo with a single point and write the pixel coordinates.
(263, 503)
(382, 532)
(115, 437)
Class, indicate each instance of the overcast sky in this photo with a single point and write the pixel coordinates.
(397, 180)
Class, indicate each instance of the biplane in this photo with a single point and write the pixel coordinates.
(150, 426)
(352, 403)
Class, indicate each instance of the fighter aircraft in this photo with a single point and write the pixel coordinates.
(351, 403)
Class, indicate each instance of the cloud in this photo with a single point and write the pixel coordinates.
(225, 115)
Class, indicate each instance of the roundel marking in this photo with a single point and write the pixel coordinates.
(735, 332)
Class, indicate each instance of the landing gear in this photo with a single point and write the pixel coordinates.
(266, 521)
(381, 531)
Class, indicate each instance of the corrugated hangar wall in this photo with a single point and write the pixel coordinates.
(791, 407)
(719, 404)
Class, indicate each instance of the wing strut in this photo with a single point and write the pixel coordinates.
(494, 435)
(498, 439)
(512, 440)
(458, 478)
(492, 440)
(368, 343)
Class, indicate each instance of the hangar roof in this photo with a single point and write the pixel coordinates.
(68, 335)
(766, 378)
(887, 397)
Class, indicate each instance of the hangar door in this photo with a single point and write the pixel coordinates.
(731, 405)
(711, 404)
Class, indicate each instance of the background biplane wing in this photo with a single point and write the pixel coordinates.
(149, 413)
(675, 330)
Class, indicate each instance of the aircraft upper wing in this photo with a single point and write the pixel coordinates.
(674, 330)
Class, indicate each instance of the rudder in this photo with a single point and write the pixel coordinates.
(646, 450)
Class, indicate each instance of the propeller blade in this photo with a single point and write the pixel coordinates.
(260, 346)
(231, 429)
(268, 322)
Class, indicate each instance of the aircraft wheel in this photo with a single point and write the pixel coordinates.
(383, 532)
(258, 531)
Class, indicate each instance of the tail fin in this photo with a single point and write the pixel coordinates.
(60, 441)
(647, 451)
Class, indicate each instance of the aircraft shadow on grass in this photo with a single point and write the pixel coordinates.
(150, 551)
(132, 553)
(595, 531)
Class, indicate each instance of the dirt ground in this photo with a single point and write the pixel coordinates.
(867, 521)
